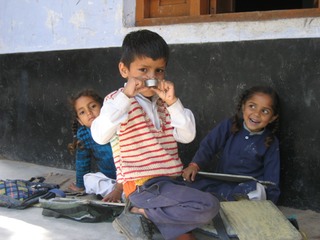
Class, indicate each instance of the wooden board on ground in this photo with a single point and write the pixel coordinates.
(108, 204)
(259, 220)
(62, 180)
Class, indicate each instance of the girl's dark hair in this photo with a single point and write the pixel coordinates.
(75, 124)
(237, 124)
(143, 43)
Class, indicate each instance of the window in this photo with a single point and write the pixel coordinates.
(160, 12)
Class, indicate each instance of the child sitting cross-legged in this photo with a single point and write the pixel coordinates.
(144, 125)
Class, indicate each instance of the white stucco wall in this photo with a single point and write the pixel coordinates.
(47, 25)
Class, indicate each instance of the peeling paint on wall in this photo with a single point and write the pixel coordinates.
(78, 19)
(53, 19)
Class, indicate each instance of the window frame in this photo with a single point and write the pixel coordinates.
(142, 18)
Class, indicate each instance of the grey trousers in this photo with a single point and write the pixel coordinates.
(173, 207)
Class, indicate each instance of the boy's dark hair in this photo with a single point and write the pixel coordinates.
(143, 43)
(247, 94)
(75, 124)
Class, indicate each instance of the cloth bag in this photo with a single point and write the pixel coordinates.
(21, 194)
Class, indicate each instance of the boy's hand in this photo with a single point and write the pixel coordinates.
(166, 92)
(189, 173)
(114, 196)
(133, 87)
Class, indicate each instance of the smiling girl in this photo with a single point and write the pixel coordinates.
(249, 147)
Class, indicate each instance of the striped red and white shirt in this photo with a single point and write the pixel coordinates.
(143, 146)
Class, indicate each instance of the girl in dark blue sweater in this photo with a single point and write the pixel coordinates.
(249, 147)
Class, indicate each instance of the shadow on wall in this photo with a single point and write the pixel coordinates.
(35, 121)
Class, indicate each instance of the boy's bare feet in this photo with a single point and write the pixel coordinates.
(138, 211)
(186, 236)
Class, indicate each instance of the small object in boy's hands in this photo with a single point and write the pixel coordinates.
(151, 83)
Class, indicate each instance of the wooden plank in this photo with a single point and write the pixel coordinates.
(259, 220)
(172, 8)
(194, 8)
(199, 7)
(142, 10)
(213, 6)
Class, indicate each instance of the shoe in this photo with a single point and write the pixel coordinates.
(134, 226)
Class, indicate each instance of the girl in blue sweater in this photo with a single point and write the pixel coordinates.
(249, 147)
(86, 106)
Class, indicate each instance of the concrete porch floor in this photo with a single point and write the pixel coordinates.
(31, 224)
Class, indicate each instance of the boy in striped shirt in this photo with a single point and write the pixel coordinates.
(143, 125)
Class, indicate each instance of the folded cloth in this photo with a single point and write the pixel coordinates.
(98, 183)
